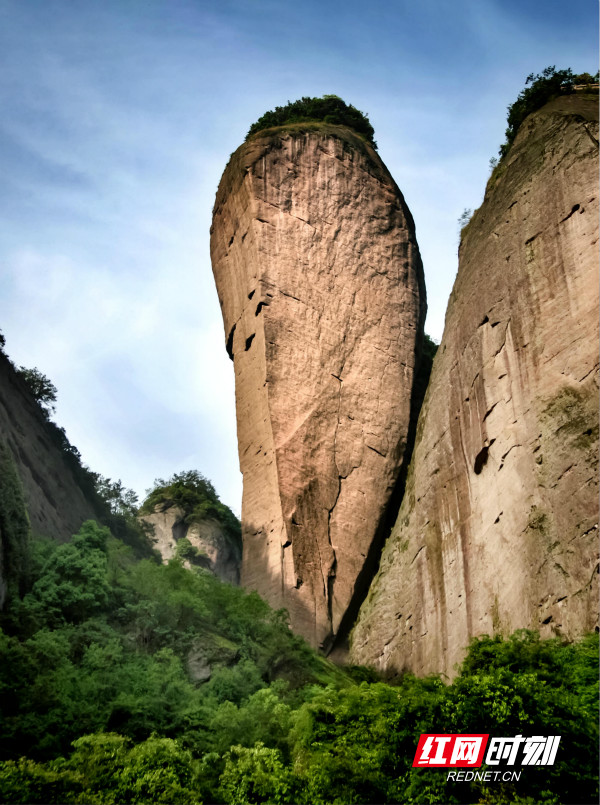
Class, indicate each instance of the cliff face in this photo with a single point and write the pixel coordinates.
(498, 528)
(216, 550)
(56, 503)
(321, 288)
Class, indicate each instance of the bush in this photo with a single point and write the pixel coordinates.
(329, 109)
(24, 781)
(255, 775)
(73, 584)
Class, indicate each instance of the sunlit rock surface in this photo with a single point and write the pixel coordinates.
(499, 525)
(321, 288)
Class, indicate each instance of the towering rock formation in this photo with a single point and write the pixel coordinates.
(321, 288)
(498, 528)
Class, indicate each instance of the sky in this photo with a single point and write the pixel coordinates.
(118, 118)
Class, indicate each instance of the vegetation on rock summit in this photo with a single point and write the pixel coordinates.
(539, 90)
(196, 497)
(328, 109)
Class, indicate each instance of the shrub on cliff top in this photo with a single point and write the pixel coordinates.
(196, 496)
(329, 109)
(539, 89)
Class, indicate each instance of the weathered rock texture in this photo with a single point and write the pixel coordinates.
(498, 528)
(321, 288)
(217, 552)
(56, 502)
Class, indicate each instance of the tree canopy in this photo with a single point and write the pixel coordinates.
(196, 496)
(329, 109)
(42, 388)
(101, 702)
(539, 89)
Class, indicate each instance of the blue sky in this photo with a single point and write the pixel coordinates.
(118, 119)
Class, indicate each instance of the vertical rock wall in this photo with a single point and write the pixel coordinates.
(321, 288)
(56, 503)
(498, 529)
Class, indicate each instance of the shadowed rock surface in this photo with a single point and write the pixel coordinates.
(56, 502)
(498, 528)
(321, 288)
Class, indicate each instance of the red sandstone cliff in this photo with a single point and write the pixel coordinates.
(321, 288)
(498, 529)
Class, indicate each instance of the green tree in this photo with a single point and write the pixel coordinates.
(256, 775)
(119, 499)
(41, 387)
(27, 782)
(157, 771)
(539, 89)
(74, 583)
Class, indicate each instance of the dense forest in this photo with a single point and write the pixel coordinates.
(125, 680)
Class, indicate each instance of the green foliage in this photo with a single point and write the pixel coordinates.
(329, 109)
(114, 505)
(24, 781)
(99, 702)
(73, 584)
(423, 374)
(103, 641)
(41, 387)
(430, 348)
(185, 551)
(256, 775)
(539, 89)
(14, 527)
(105, 769)
(196, 496)
(360, 742)
(119, 499)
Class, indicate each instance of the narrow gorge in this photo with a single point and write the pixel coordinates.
(321, 288)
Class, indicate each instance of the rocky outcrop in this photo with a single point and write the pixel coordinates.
(321, 288)
(56, 502)
(212, 547)
(498, 528)
(208, 653)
